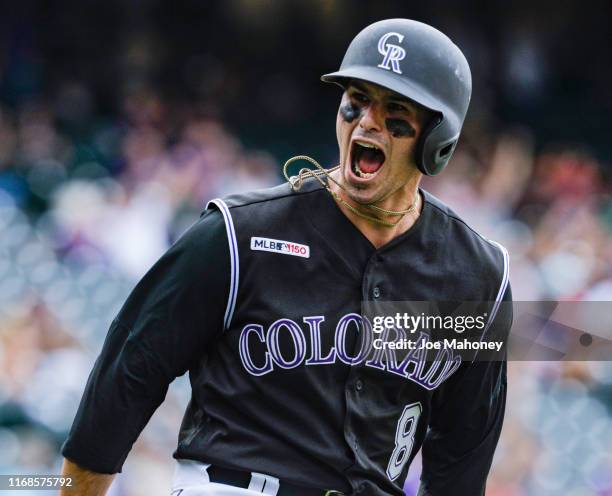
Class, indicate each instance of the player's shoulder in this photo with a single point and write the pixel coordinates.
(465, 240)
(276, 195)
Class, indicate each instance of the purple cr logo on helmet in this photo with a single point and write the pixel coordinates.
(421, 63)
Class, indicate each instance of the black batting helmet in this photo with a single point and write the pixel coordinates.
(422, 64)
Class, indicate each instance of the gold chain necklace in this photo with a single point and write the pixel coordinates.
(297, 181)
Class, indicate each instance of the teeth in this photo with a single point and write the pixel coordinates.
(360, 173)
(367, 145)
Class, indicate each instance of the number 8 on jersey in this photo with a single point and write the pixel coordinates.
(404, 439)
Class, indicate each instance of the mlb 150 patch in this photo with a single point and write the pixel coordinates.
(280, 246)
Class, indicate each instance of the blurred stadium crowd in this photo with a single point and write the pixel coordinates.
(100, 171)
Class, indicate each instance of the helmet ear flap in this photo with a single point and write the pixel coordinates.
(433, 151)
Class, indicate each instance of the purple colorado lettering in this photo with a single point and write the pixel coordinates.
(341, 329)
(428, 374)
(314, 324)
(245, 356)
(299, 343)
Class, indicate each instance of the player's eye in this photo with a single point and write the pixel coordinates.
(396, 107)
(359, 97)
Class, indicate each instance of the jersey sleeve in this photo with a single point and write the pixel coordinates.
(465, 423)
(160, 332)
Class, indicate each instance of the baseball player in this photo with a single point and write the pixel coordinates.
(261, 302)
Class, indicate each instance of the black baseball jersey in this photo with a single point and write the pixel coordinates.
(261, 302)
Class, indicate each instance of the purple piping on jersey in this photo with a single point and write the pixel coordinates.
(234, 260)
(502, 287)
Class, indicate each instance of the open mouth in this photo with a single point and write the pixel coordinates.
(366, 159)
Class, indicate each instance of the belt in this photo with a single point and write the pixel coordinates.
(239, 478)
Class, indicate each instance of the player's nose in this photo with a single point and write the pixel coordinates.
(372, 118)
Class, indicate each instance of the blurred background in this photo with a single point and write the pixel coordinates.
(120, 119)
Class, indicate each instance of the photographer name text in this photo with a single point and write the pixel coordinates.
(455, 344)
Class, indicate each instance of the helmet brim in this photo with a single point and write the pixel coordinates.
(387, 80)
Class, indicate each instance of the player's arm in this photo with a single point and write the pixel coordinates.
(465, 423)
(84, 481)
(160, 333)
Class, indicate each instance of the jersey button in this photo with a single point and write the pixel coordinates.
(376, 292)
(358, 384)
